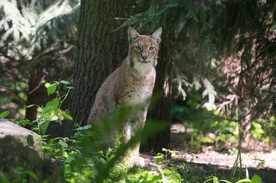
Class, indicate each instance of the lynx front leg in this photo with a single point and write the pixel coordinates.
(134, 128)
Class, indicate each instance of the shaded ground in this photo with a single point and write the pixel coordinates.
(209, 161)
(262, 164)
(195, 168)
(224, 173)
(249, 159)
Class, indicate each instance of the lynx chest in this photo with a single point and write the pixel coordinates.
(135, 90)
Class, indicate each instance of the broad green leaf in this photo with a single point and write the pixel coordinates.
(70, 159)
(166, 171)
(256, 179)
(32, 174)
(53, 103)
(43, 127)
(63, 144)
(66, 115)
(52, 88)
(4, 114)
(48, 148)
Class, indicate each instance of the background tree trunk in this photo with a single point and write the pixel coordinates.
(100, 51)
(160, 110)
(36, 94)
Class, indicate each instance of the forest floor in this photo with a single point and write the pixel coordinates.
(258, 159)
(250, 159)
(210, 162)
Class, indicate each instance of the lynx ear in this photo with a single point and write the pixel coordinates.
(157, 34)
(132, 34)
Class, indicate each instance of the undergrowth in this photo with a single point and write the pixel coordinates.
(84, 161)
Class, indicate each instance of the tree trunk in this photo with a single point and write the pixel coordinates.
(100, 51)
(160, 110)
(34, 94)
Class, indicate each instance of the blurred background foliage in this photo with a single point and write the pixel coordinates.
(224, 86)
(37, 46)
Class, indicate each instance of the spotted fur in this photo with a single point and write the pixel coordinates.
(131, 84)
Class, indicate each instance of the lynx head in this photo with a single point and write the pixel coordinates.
(143, 49)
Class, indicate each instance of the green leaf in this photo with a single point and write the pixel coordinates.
(66, 115)
(84, 128)
(226, 181)
(208, 179)
(4, 114)
(63, 144)
(32, 174)
(53, 103)
(43, 127)
(215, 180)
(244, 181)
(65, 82)
(164, 149)
(166, 171)
(256, 179)
(70, 159)
(48, 148)
(52, 88)
(29, 106)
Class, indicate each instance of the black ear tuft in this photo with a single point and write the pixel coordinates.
(132, 34)
(157, 34)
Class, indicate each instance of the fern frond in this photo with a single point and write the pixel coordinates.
(211, 93)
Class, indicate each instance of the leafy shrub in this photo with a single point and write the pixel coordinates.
(85, 162)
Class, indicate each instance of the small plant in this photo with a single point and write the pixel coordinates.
(257, 131)
(163, 158)
(254, 179)
(85, 162)
(25, 175)
(233, 177)
(52, 111)
(261, 162)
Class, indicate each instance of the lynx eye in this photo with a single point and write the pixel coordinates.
(151, 48)
(138, 48)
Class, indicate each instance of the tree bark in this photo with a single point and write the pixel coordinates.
(100, 51)
(160, 110)
(34, 94)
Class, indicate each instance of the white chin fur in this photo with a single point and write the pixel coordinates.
(142, 68)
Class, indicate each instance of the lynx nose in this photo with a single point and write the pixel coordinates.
(144, 57)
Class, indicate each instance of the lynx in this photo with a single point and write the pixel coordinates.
(130, 85)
